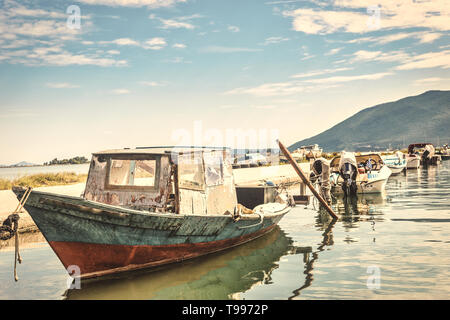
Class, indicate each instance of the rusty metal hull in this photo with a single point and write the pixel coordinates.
(103, 239)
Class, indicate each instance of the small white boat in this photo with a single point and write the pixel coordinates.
(396, 162)
(371, 175)
(412, 161)
(424, 155)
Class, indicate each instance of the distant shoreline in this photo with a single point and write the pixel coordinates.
(43, 180)
(13, 173)
(43, 165)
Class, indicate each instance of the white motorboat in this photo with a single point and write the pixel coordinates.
(396, 162)
(369, 175)
(425, 155)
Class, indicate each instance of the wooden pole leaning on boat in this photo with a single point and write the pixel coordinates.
(305, 180)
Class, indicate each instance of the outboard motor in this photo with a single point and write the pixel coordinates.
(400, 155)
(348, 171)
(320, 170)
(427, 154)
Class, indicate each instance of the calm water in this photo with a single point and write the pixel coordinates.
(17, 172)
(402, 236)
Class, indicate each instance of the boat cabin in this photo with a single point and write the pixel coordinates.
(413, 146)
(170, 180)
(372, 161)
(428, 156)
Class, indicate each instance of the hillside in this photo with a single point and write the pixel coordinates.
(422, 118)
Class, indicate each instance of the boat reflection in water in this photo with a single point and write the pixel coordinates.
(352, 210)
(324, 222)
(364, 207)
(219, 276)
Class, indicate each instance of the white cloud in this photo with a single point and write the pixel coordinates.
(429, 37)
(222, 49)
(324, 22)
(169, 23)
(155, 43)
(133, 3)
(113, 52)
(120, 91)
(153, 83)
(432, 80)
(177, 60)
(44, 28)
(423, 36)
(178, 22)
(307, 56)
(179, 46)
(407, 61)
(319, 72)
(340, 79)
(61, 85)
(55, 56)
(274, 40)
(297, 87)
(45, 33)
(19, 10)
(427, 60)
(333, 51)
(277, 89)
(364, 55)
(124, 42)
(352, 16)
(233, 29)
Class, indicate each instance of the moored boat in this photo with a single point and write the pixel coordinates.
(358, 174)
(150, 207)
(444, 152)
(396, 162)
(412, 161)
(426, 157)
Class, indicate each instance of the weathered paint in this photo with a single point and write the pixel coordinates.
(119, 227)
(96, 189)
(66, 220)
(118, 258)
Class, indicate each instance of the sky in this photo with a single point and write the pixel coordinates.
(78, 77)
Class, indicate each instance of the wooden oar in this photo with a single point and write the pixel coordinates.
(305, 180)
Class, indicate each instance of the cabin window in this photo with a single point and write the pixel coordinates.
(213, 168)
(190, 171)
(132, 173)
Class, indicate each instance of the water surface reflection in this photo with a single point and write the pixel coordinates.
(218, 276)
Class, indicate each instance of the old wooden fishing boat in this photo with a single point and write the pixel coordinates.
(148, 207)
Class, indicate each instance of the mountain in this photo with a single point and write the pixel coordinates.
(422, 118)
(24, 164)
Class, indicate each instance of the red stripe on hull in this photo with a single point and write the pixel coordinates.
(101, 259)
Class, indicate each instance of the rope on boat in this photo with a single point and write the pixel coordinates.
(10, 227)
(261, 217)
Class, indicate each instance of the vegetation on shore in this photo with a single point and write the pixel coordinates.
(43, 180)
(74, 160)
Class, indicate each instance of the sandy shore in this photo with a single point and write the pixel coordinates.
(9, 202)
